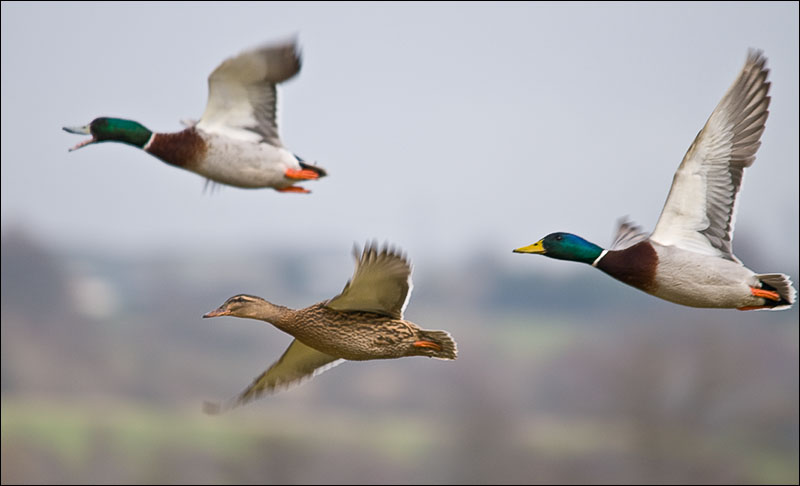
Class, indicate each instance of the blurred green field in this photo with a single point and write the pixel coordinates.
(616, 387)
(122, 443)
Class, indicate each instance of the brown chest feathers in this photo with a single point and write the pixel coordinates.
(182, 149)
(636, 266)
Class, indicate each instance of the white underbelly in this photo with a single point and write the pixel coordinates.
(248, 165)
(703, 281)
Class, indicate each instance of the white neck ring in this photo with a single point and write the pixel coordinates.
(597, 260)
(147, 145)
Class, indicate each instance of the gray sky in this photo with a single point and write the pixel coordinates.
(445, 128)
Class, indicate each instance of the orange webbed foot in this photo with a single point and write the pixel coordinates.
(301, 175)
(297, 189)
(427, 344)
(765, 294)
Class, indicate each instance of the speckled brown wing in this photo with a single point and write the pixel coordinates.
(299, 362)
(381, 283)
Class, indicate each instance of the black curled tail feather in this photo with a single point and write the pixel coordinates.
(319, 170)
(781, 284)
(444, 341)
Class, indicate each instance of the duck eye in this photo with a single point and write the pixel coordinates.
(559, 237)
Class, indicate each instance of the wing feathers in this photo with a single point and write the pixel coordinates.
(700, 211)
(381, 283)
(628, 234)
(242, 93)
(297, 363)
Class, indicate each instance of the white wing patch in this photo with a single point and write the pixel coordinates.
(700, 210)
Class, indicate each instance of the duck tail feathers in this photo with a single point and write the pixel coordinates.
(783, 285)
(442, 340)
(319, 170)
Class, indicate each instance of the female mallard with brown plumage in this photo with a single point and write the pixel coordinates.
(236, 140)
(363, 322)
(688, 258)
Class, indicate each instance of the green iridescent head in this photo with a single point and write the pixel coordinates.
(564, 246)
(112, 129)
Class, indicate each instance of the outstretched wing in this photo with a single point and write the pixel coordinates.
(381, 283)
(242, 93)
(297, 363)
(700, 211)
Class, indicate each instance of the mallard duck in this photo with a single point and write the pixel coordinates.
(363, 322)
(688, 258)
(236, 140)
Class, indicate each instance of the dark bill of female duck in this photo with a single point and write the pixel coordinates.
(219, 312)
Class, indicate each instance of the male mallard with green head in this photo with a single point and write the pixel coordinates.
(236, 140)
(363, 322)
(688, 258)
